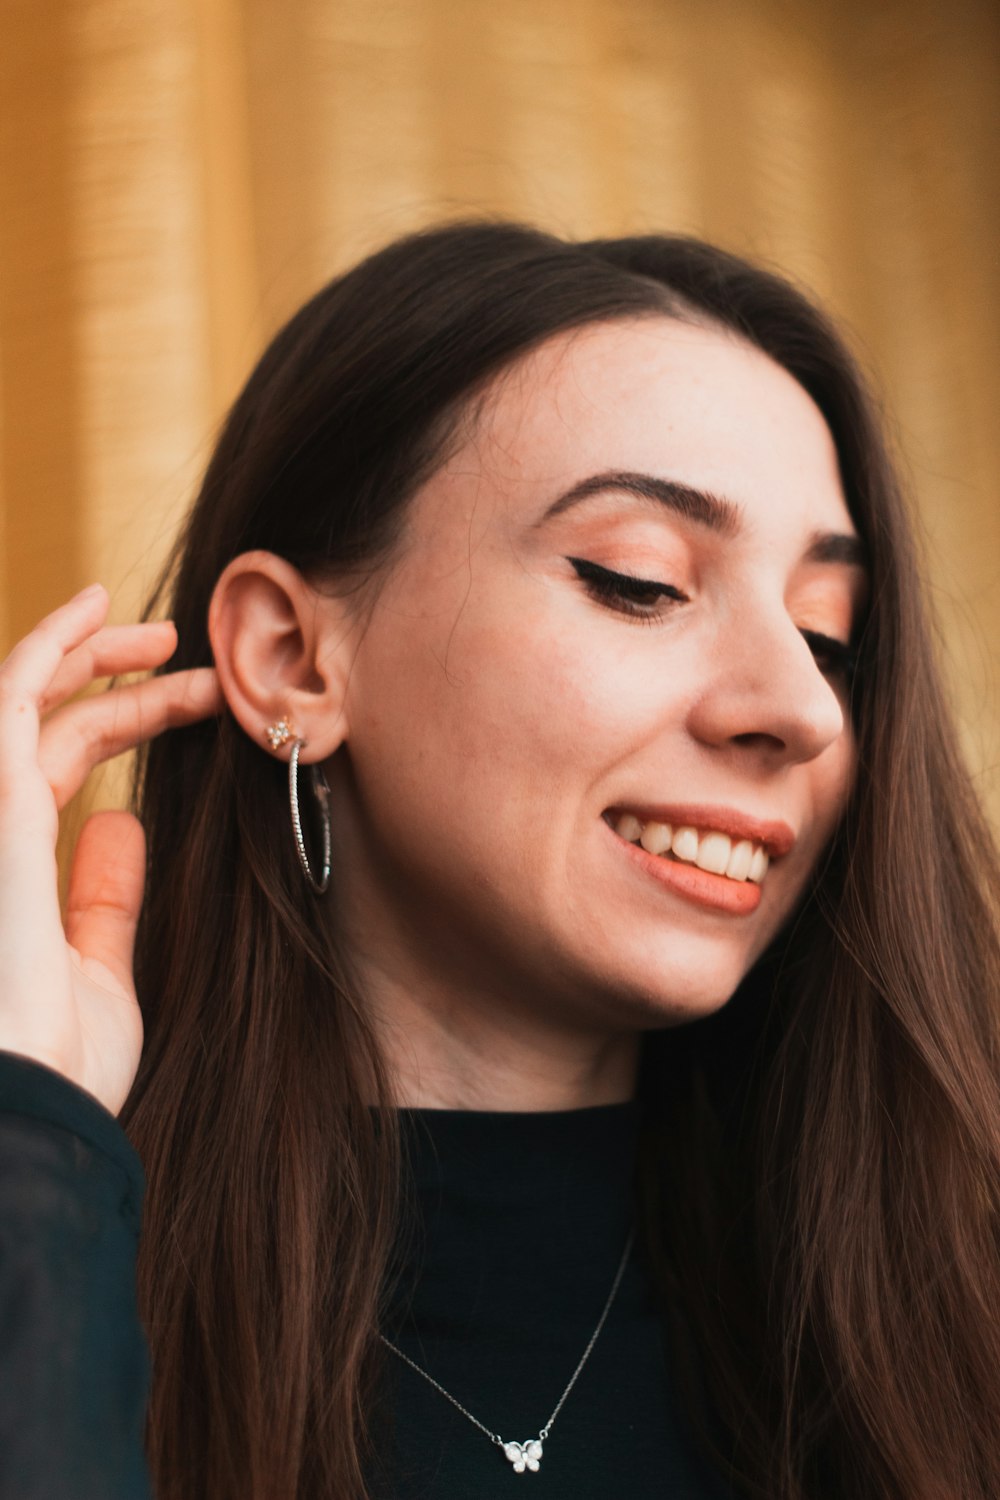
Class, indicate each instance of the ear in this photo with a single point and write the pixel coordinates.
(282, 651)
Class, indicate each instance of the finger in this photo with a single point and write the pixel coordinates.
(113, 651)
(80, 735)
(105, 892)
(36, 658)
(32, 664)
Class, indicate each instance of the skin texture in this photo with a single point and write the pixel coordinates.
(481, 720)
(68, 997)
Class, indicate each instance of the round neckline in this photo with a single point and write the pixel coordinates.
(513, 1211)
(623, 1105)
(557, 1131)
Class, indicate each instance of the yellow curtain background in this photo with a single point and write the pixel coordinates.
(177, 175)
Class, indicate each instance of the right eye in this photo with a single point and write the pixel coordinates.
(640, 598)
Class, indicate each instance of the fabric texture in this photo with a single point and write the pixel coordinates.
(74, 1367)
(517, 1223)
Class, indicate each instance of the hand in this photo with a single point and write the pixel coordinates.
(67, 999)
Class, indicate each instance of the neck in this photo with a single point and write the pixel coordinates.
(479, 1054)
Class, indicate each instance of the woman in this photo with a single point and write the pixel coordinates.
(654, 983)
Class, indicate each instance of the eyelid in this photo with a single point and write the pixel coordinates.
(842, 654)
(586, 569)
(823, 639)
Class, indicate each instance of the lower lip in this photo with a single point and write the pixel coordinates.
(737, 897)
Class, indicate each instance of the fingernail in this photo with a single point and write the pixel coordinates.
(92, 588)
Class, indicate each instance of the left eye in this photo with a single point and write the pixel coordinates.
(834, 658)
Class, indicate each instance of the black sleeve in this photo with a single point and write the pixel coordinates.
(74, 1365)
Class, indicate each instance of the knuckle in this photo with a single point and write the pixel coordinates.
(99, 735)
(108, 729)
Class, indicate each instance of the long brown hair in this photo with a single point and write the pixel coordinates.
(821, 1158)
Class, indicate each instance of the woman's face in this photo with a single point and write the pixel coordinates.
(517, 714)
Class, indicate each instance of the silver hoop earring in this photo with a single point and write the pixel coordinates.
(321, 791)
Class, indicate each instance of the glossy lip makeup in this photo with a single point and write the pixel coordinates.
(737, 894)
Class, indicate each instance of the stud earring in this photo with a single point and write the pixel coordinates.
(279, 733)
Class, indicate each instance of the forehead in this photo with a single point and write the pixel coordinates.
(657, 396)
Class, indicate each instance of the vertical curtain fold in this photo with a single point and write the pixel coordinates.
(177, 175)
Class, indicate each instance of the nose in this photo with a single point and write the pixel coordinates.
(764, 690)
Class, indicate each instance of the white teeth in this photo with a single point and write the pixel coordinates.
(758, 866)
(656, 838)
(685, 844)
(714, 850)
(740, 860)
(628, 827)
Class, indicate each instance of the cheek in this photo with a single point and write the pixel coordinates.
(835, 776)
(830, 780)
(505, 716)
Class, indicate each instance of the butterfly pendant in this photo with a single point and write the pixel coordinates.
(524, 1455)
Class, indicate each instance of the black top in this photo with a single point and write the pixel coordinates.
(522, 1219)
(520, 1223)
(73, 1364)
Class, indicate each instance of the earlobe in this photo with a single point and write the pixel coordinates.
(282, 654)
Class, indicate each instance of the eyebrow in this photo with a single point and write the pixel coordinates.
(713, 512)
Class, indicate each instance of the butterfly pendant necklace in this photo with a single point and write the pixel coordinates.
(527, 1455)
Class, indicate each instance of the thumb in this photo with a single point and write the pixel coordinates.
(105, 892)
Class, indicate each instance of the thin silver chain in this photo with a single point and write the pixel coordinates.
(495, 1437)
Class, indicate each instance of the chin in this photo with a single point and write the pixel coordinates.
(685, 989)
(684, 1004)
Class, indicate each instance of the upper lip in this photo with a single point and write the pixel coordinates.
(775, 835)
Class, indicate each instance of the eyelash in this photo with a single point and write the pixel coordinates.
(620, 590)
(841, 660)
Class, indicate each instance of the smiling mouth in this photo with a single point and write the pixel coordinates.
(742, 861)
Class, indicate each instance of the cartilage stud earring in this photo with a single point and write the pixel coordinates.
(279, 733)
